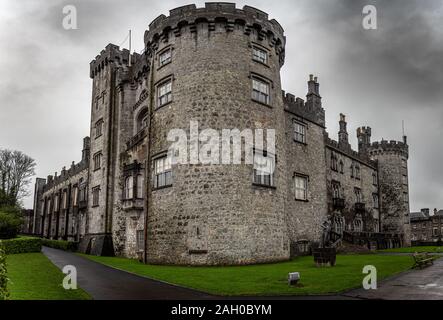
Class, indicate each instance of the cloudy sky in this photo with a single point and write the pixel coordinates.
(376, 77)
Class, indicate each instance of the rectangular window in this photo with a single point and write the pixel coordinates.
(56, 203)
(264, 167)
(301, 187)
(299, 132)
(96, 196)
(336, 189)
(259, 55)
(375, 198)
(98, 128)
(140, 240)
(260, 91)
(163, 172)
(139, 186)
(65, 200)
(165, 57)
(164, 93)
(435, 232)
(358, 197)
(406, 197)
(75, 197)
(97, 160)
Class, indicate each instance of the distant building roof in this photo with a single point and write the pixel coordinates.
(420, 215)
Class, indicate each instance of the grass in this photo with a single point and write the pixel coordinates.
(428, 249)
(268, 279)
(33, 277)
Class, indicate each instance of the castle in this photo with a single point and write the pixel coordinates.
(220, 66)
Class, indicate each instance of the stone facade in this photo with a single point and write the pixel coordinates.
(203, 65)
(426, 228)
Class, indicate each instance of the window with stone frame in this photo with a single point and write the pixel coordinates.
(261, 91)
(358, 224)
(165, 57)
(75, 196)
(358, 195)
(264, 169)
(301, 187)
(259, 55)
(139, 189)
(99, 128)
(162, 172)
(164, 93)
(376, 225)
(48, 209)
(96, 196)
(97, 160)
(56, 203)
(299, 132)
(65, 200)
(140, 240)
(375, 201)
(374, 178)
(336, 190)
(334, 161)
(357, 172)
(341, 166)
(143, 119)
(129, 188)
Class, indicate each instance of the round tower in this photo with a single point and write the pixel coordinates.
(216, 67)
(392, 157)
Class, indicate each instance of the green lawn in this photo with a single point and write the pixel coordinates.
(268, 279)
(33, 277)
(429, 249)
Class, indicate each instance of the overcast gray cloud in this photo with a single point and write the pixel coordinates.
(377, 78)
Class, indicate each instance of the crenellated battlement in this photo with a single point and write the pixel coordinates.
(186, 19)
(111, 54)
(392, 146)
(347, 150)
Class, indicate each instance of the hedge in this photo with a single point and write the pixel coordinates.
(3, 276)
(21, 245)
(60, 244)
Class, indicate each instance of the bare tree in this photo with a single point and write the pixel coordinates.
(16, 171)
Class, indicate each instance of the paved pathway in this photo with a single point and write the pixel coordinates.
(105, 283)
(425, 284)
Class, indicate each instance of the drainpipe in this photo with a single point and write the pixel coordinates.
(148, 161)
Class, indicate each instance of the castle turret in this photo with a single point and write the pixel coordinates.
(343, 137)
(392, 157)
(364, 138)
(86, 149)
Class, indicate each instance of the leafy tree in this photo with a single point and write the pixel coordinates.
(16, 171)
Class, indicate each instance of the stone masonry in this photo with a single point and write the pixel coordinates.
(219, 67)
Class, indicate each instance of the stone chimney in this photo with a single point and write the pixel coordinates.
(425, 211)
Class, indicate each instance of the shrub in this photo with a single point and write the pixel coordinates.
(10, 224)
(3, 276)
(22, 245)
(60, 244)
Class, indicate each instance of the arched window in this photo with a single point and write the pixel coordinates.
(139, 186)
(334, 162)
(358, 224)
(142, 119)
(338, 224)
(129, 187)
